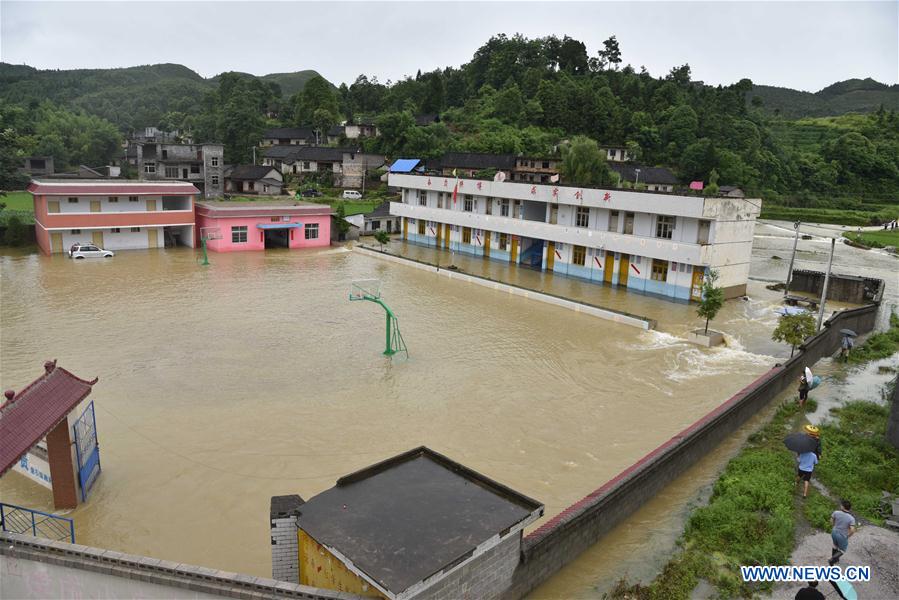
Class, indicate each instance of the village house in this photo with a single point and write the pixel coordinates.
(346, 165)
(115, 214)
(655, 179)
(379, 219)
(615, 153)
(468, 163)
(254, 179)
(289, 136)
(38, 165)
(200, 164)
(539, 170)
(351, 131)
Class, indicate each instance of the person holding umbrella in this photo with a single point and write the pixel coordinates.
(804, 446)
(847, 344)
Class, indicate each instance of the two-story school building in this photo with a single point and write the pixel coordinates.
(113, 214)
(657, 243)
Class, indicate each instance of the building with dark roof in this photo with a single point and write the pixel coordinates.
(158, 156)
(290, 136)
(38, 165)
(468, 163)
(346, 165)
(656, 179)
(380, 219)
(410, 526)
(254, 179)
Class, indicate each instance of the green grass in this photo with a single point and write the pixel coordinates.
(18, 201)
(878, 345)
(875, 239)
(857, 463)
(817, 509)
(749, 520)
(836, 216)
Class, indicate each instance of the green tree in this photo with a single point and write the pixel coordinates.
(16, 232)
(712, 188)
(342, 224)
(712, 298)
(794, 329)
(583, 163)
(610, 54)
(317, 94)
(382, 237)
(11, 178)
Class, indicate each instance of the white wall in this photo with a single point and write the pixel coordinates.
(123, 205)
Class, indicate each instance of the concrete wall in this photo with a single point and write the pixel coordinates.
(38, 568)
(842, 288)
(893, 423)
(560, 540)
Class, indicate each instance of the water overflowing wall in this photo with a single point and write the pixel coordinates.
(841, 288)
(560, 540)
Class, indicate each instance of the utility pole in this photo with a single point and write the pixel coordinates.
(637, 178)
(833, 244)
(792, 258)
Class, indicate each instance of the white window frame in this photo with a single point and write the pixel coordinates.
(582, 217)
(310, 231)
(239, 234)
(665, 226)
(214, 161)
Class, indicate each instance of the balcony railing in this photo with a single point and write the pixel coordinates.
(594, 238)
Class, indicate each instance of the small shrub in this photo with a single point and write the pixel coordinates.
(16, 232)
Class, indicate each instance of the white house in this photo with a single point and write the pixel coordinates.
(653, 242)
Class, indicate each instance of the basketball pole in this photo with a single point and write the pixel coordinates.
(205, 255)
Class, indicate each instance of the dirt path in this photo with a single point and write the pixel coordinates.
(872, 546)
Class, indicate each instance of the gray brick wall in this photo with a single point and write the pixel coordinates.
(488, 576)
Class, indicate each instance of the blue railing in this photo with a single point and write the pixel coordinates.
(26, 521)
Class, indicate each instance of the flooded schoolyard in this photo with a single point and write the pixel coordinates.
(221, 386)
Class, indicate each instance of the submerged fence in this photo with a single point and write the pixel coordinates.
(27, 521)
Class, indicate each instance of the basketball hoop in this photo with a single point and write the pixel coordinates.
(206, 234)
(210, 233)
(365, 289)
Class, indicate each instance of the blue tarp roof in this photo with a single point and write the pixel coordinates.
(279, 225)
(404, 165)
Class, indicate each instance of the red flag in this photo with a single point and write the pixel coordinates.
(455, 187)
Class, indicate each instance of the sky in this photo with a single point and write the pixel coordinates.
(804, 45)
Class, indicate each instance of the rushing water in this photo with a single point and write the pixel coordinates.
(221, 386)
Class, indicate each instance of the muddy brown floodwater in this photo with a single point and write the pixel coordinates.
(222, 386)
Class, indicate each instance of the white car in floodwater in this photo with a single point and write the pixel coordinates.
(89, 251)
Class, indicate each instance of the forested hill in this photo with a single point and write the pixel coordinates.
(131, 97)
(852, 95)
(514, 95)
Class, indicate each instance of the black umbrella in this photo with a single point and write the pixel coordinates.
(800, 442)
(848, 332)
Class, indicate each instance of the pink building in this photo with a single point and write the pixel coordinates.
(265, 224)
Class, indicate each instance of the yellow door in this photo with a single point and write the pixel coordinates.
(446, 235)
(487, 235)
(152, 237)
(95, 206)
(56, 242)
(514, 255)
(405, 228)
(610, 266)
(98, 238)
(624, 269)
(151, 205)
(550, 255)
(696, 287)
(52, 206)
(439, 235)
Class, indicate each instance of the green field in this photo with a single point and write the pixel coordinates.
(837, 216)
(18, 201)
(875, 239)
